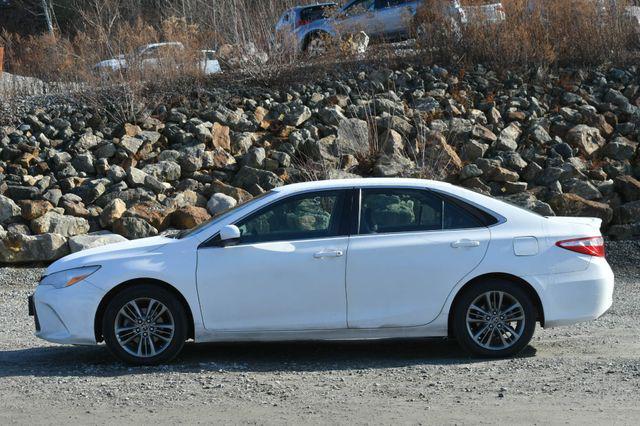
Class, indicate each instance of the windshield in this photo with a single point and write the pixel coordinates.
(220, 216)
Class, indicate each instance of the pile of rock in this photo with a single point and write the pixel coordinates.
(565, 145)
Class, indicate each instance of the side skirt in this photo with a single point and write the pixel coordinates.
(432, 330)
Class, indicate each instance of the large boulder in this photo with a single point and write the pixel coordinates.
(88, 241)
(20, 248)
(628, 187)
(8, 209)
(587, 139)
(508, 139)
(133, 228)
(151, 212)
(189, 217)
(167, 171)
(620, 149)
(33, 209)
(248, 176)
(56, 223)
(574, 205)
(353, 136)
(112, 212)
(220, 202)
(530, 202)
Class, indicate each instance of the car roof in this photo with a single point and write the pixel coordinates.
(362, 183)
(309, 6)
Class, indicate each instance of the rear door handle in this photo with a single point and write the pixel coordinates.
(465, 243)
(328, 253)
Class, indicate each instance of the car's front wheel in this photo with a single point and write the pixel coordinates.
(145, 325)
(494, 319)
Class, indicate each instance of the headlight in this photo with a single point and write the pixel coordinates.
(69, 277)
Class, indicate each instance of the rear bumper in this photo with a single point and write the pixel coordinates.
(575, 297)
(67, 315)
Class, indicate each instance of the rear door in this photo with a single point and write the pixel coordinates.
(395, 16)
(358, 16)
(413, 246)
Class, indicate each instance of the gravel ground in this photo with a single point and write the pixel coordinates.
(589, 373)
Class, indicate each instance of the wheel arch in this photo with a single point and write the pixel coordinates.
(97, 326)
(531, 291)
(308, 36)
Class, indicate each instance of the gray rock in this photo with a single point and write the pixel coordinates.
(297, 116)
(242, 142)
(8, 209)
(480, 132)
(203, 134)
(283, 159)
(89, 241)
(87, 141)
(248, 176)
(508, 139)
(583, 188)
(620, 148)
(135, 177)
(131, 144)
(530, 202)
(255, 158)
(20, 248)
(392, 165)
(167, 171)
(84, 163)
(628, 213)
(472, 150)
(353, 136)
(133, 228)
(56, 223)
(106, 150)
(220, 202)
(332, 115)
(153, 184)
(53, 196)
(116, 174)
(470, 171)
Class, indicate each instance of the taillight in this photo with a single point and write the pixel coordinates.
(592, 246)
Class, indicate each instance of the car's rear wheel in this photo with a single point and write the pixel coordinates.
(494, 319)
(145, 325)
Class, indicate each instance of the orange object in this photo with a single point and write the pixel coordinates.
(1, 59)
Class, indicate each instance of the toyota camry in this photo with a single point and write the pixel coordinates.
(335, 260)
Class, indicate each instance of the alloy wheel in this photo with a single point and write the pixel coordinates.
(144, 327)
(495, 320)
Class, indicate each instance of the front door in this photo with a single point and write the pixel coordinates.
(412, 248)
(287, 272)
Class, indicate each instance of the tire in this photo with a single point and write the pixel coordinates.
(152, 334)
(317, 45)
(496, 336)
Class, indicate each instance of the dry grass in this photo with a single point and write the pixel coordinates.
(542, 32)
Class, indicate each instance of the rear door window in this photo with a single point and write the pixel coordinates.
(394, 210)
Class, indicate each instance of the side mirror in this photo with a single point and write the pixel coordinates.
(229, 235)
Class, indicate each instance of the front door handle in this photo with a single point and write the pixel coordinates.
(328, 253)
(465, 243)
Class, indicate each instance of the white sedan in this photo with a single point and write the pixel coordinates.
(335, 260)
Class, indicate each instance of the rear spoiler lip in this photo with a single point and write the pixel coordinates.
(577, 220)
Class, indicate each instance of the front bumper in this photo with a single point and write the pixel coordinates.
(570, 298)
(66, 315)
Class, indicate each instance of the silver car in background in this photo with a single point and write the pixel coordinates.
(310, 27)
